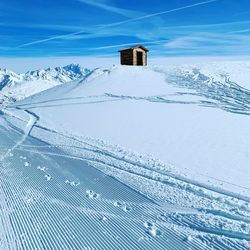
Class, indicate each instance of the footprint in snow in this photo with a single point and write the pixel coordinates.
(10, 154)
(43, 169)
(48, 177)
(26, 164)
(72, 183)
(117, 204)
(188, 238)
(152, 230)
(92, 195)
(103, 218)
(124, 207)
(29, 200)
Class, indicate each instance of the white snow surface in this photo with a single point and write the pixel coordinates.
(194, 118)
(79, 167)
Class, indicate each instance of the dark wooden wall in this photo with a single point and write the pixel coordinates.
(127, 57)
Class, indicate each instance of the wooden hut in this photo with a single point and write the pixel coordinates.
(136, 56)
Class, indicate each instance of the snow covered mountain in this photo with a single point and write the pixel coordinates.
(19, 86)
(8, 77)
(59, 74)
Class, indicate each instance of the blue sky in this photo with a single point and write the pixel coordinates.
(42, 28)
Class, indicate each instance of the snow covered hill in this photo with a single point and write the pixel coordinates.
(194, 117)
(177, 137)
(19, 86)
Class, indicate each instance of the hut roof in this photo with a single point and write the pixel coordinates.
(135, 47)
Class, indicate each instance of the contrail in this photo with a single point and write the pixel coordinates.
(163, 12)
(127, 44)
(120, 23)
(51, 38)
(100, 4)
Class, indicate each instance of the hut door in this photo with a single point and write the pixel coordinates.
(139, 56)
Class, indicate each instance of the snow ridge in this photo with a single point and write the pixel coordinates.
(8, 77)
(64, 74)
(18, 86)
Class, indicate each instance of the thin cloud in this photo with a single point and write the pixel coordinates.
(120, 23)
(239, 31)
(208, 41)
(49, 39)
(74, 28)
(108, 7)
(59, 27)
(127, 44)
(164, 12)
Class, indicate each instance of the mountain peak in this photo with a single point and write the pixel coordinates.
(73, 67)
(40, 79)
(64, 74)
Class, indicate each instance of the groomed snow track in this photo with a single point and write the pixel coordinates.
(53, 202)
(61, 192)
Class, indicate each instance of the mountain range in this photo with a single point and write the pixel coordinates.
(16, 86)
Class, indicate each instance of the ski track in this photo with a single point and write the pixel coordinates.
(227, 95)
(30, 124)
(151, 166)
(35, 229)
(69, 218)
(62, 192)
